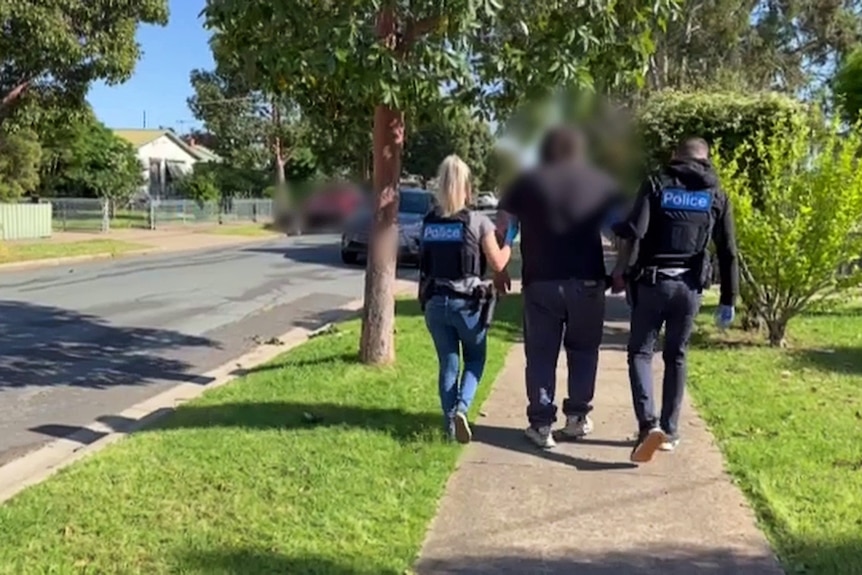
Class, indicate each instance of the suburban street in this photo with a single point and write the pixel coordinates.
(84, 341)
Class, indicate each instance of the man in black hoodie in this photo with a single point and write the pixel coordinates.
(673, 220)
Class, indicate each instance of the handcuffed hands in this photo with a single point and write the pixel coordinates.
(724, 316)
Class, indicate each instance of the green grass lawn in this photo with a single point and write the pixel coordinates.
(247, 230)
(790, 425)
(312, 465)
(13, 252)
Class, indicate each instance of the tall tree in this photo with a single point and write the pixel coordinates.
(847, 86)
(57, 48)
(394, 57)
(438, 134)
(20, 154)
(252, 127)
(782, 45)
(86, 159)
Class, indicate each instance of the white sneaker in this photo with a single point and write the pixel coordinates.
(577, 426)
(463, 433)
(542, 437)
(670, 444)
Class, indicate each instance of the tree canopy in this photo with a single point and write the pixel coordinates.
(54, 50)
(394, 58)
(438, 135)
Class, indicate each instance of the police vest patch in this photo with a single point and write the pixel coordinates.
(443, 232)
(684, 200)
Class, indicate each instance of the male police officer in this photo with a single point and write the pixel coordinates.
(673, 219)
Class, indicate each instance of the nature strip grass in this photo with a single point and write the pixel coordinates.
(13, 252)
(790, 425)
(313, 464)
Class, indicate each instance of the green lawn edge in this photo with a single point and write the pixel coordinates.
(14, 252)
(789, 424)
(311, 464)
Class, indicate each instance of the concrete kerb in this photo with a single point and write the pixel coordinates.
(54, 262)
(39, 465)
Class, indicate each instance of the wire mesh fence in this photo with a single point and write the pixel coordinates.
(94, 215)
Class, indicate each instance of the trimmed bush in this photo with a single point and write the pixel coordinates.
(724, 119)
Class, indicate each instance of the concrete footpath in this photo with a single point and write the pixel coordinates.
(582, 508)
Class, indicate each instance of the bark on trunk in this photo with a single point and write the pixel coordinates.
(377, 345)
(777, 330)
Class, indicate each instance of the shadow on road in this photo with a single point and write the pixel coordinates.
(48, 346)
(325, 255)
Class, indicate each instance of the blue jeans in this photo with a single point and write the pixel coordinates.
(456, 329)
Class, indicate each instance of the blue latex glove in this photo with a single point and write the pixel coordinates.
(724, 316)
(613, 217)
(511, 232)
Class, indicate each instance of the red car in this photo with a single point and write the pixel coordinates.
(328, 208)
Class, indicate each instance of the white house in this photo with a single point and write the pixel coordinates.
(165, 158)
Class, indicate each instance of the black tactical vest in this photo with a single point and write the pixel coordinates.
(450, 249)
(680, 227)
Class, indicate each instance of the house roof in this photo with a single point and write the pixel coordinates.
(142, 137)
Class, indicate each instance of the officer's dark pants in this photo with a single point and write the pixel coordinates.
(570, 313)
(674, 303)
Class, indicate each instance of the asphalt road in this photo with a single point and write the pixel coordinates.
(83, 342)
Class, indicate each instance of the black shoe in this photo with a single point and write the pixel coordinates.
(649, 441)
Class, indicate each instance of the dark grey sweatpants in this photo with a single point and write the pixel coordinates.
(568, 313)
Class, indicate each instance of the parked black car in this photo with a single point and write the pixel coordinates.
(413, 205)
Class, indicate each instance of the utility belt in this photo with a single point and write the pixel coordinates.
(651, 275)
(483, 296)
(700, 273)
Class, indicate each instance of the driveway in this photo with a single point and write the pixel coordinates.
(84, 341)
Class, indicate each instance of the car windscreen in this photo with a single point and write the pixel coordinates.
(415, 202)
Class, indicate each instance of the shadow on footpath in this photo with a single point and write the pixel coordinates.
(651, 561)
(512, 439)
(48, 346)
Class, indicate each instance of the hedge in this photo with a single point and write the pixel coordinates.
(723, 118)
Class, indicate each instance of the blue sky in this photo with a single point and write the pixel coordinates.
(160, 84)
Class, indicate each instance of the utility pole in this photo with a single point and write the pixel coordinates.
(145, 120)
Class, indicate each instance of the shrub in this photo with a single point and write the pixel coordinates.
(724, 118)
(200, 186)
(801, 243)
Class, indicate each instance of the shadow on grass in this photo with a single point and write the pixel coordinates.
(400, 424)
(260, 562)
(843, 360)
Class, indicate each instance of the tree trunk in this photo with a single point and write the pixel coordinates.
(776, 329)
(377, 345)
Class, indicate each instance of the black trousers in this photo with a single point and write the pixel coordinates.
(672, 303)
